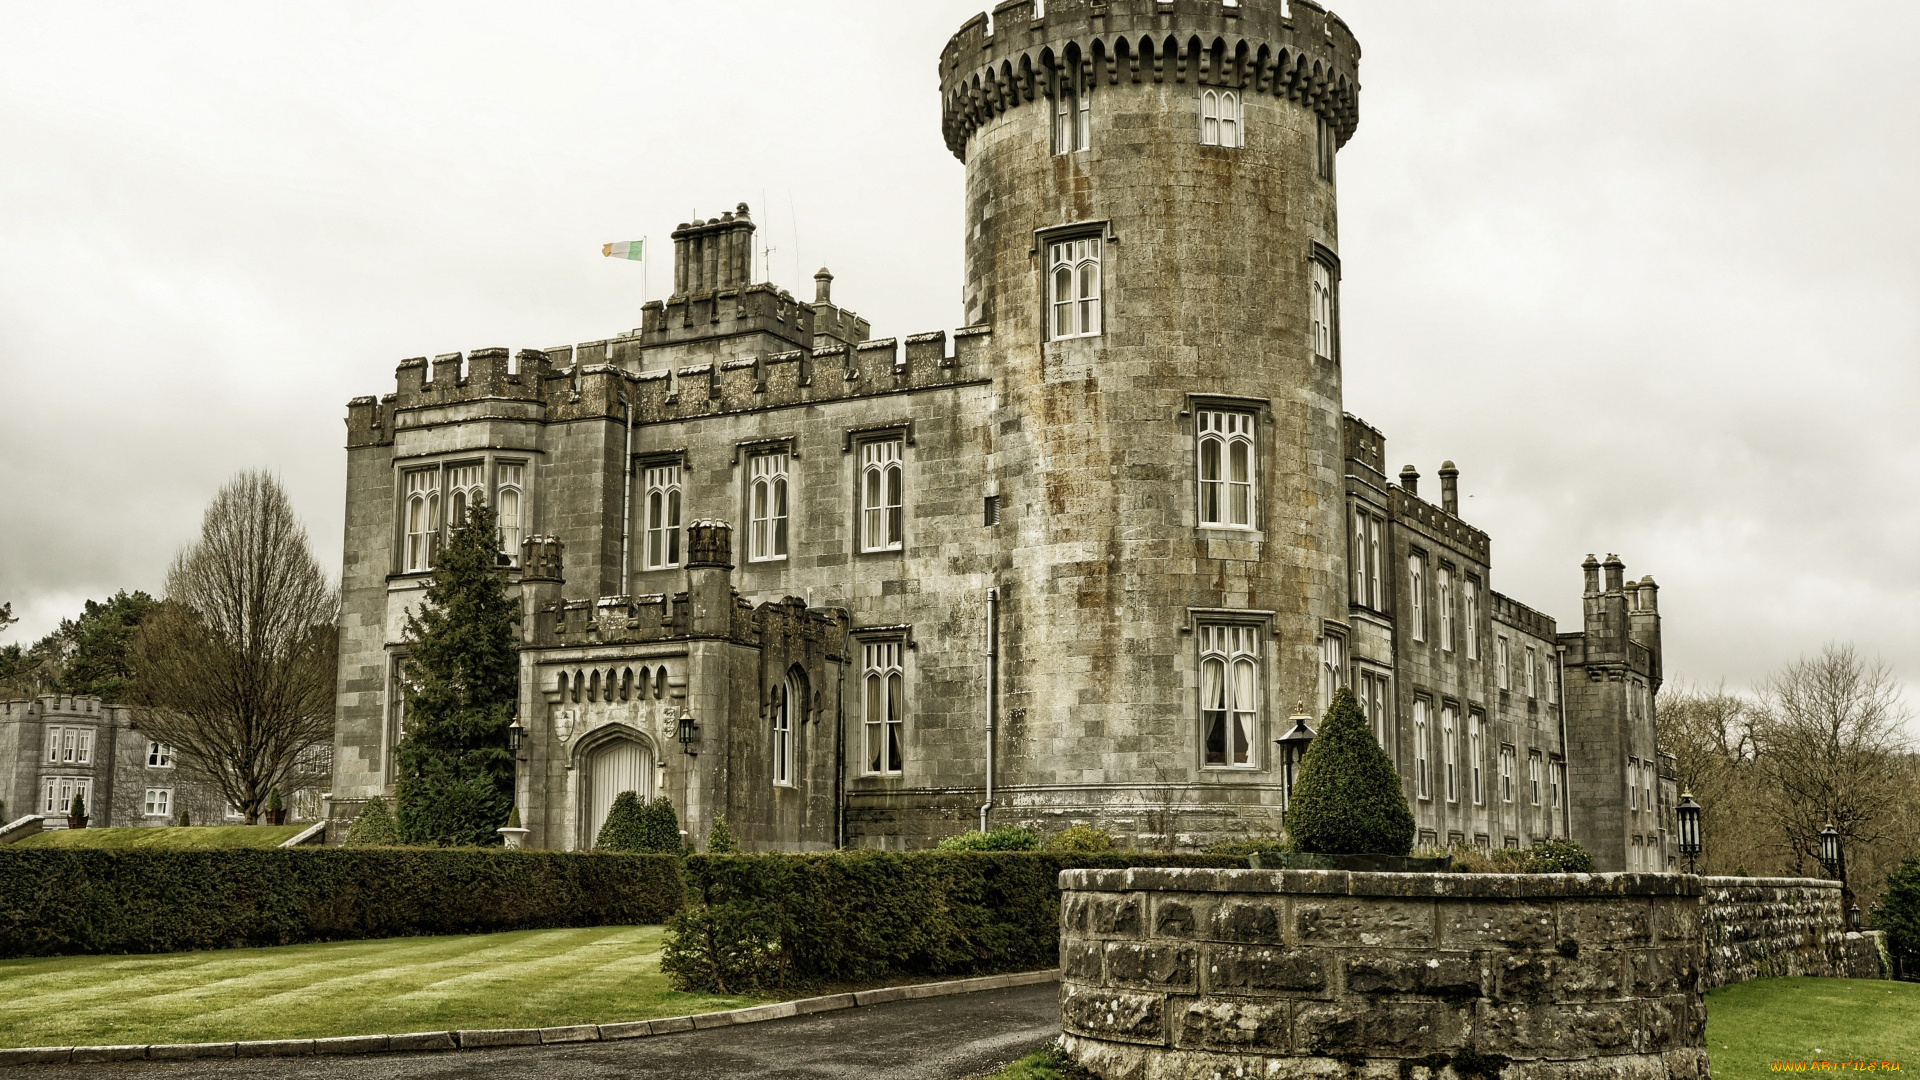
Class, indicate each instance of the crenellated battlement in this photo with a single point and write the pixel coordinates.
(1298, 51)
(592, 379)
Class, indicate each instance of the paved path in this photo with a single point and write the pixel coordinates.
(948, 1038)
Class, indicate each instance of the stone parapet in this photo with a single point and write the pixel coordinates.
(1189, 973)
(1759, 928)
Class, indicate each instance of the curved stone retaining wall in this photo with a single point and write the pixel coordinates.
(1276, 973)
(1759, 928)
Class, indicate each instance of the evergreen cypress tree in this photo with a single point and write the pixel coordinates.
(1346, 794)
(463, 675)
(720, 839)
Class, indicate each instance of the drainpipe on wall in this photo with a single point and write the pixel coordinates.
(840, 741)
(626, 503)
(1566, 752)
(993, 670)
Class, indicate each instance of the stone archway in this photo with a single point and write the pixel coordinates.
(610, 766)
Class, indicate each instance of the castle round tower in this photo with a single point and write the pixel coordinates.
(1151, 234)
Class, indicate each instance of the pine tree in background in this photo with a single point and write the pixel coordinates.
(1347, 798)
(462, 675)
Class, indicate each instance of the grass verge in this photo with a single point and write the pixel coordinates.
(529, 978)
(1750, 1025)
(169, 838)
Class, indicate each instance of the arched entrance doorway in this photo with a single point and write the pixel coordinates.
(616, 765)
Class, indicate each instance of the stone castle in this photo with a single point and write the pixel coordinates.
(1092, 557)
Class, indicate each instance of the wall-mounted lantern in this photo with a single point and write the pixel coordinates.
(516, 734)
(1293, 749)
(1830, 849)
(689, 733)
(1689, 814)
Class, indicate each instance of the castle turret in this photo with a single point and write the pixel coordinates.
(710, 578)
(1152, 238)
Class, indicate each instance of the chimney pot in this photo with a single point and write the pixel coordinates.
(1410, 480)
(1449, 488)
(823, 287)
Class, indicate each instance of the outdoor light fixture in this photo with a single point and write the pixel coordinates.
(1853, 916)
(1830, 849)
(516, 734)
(689, 734)
(1293, 748)
(1689, 812)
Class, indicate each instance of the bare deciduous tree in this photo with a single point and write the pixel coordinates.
(236, 668)
(1832, 751)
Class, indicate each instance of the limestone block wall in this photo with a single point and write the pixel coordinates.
(1759, 928)
(1219, 973)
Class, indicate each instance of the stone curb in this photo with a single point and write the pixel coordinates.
(429, 1041)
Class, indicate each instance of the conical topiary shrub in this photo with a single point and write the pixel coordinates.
(1346, 794)
(625, 826)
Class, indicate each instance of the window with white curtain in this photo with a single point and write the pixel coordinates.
(1475, 755)
(1533, 775)
(1073, 289)
(466, 488)
(1421, 784)
(1222, 123)
(882, 495)
(1375, 704)
(785, 708)
(1230, 695)
(1449, 724)
(662, 508)
(1368, 588)
(884, 705)
(1470, 629)
(511, 483)
(422, 518)
(767, 506)
(1333, 668)
(1227, 469)
(1506, 774)
(1417, 597)
(1323, 331)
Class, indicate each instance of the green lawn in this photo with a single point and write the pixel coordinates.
(530, 978)
(1752, 1023)
(194, 838)
(1748, 1025)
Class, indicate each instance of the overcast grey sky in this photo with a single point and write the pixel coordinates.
(1646, 271)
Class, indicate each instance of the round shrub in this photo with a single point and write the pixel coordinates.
(1346, 795)
(1080, 840)
(1560, 857)
(1000, 838)
(375, 827)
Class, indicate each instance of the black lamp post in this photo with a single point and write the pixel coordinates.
(516, 734)
(1830, 849)
(689, 734)
(1293, 748)
(1689, 814)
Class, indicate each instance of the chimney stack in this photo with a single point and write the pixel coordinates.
(1410, 480)
(823, 287)
(710, 578)
(713, 255)
(1449, 488)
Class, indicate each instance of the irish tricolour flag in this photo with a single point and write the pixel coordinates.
(633, 250)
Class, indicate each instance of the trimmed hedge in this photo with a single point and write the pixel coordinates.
(779, 921)
(65, 901)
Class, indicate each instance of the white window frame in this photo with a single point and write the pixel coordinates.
(159, 803)
(1476, 754)
(1550, 675)
(1443, 586)
(1326, 146)
(466, 485)
(1633, 784)
(1381, 693)
(1533, 672)
(1076, 281)
(420, 519)
(883, 486)
(1533, 775)
(1502, 660)
(1228, 465)
(57, 794)
(1230, 695)
(1470, 629)
(510, 499)
(1557, 780)
(69, 745)
(1449, 723)
(883, 707)
(1422, 782)
(1417, 596)
(1506, 773)
(1333, 667)
(159, 755)
(1369, 588)
(784, 753)
(1323, 316)
(663, 507)
(1223, 119)
(1072, 112)
(768, 505)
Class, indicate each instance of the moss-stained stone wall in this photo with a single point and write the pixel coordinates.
(1202, 973)
(1760, 928)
